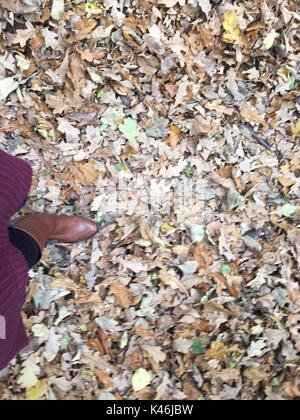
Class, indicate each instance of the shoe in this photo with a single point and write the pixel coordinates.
(44, 227)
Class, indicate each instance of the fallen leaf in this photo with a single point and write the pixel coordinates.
(197, 347)
(130, 130)
(197, 232)
(217, 351)
(7, 86)
(188, 268)
(288, 210)
(296, 129)
(38, 391)
(232, 30)
(249, 114)
(270, 39)
(84, 173)
(205, 5)
(156, 356)
(72, 133)
(29, 375)
(104, 378)
(121, 293)
(57, 10)
(22, 36)
(141, 379)
(172, 280)
(257, 348)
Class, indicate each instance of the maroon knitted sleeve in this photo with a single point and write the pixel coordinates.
(15, 182)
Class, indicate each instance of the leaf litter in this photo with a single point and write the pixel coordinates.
(199, 302)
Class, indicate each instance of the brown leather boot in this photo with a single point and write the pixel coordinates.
(44, 227)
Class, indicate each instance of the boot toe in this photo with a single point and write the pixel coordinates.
(86, 229)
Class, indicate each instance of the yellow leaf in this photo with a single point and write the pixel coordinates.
(37, 392)
(232, 30)
(296, 129)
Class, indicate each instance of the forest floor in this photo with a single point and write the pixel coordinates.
(175, 124)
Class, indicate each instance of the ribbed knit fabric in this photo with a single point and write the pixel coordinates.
(15, 182)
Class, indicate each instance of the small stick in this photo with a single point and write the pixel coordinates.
(260, 140)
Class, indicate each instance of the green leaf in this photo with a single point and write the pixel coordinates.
(165, 227)
(189, 171)
(232, 364)
(197, 232)
(275, 382)
(287, 210)
(102, 128)
(93, 7)
(64, 344)
(120, 166)
(100, 93)
(226, 268)
(197, 347)
(40, 191)
(130, 131)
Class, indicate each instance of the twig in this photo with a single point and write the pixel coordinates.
(263, 142)
(260, 140)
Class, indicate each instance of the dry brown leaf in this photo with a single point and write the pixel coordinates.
(221, 282)
(84, 27)
(122, 295)
(221, 109)
(77, 76)
(256, 375)
(286, 181)
(290, 389)
(191, 391)
(104, 378)
(217, 351)
(91, 56)
(295, 163)
(203, 254)
(84, 173)
(251, 115)
(171, 280)
(174, 136)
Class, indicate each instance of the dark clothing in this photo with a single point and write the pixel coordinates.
(15, 182)
(26, 244)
